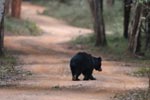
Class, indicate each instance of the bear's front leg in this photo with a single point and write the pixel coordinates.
(86, 76)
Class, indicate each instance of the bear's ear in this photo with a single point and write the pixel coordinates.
(99, 58)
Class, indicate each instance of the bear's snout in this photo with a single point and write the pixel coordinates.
(100, 70)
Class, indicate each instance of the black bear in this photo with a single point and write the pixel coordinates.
(84, 63)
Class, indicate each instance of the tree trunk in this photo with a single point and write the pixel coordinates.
(7, 6)
(2, 10)
(147, 42)
(99, 25)
(16, 8)
(134, 32)
(127, 10)
(148, 74)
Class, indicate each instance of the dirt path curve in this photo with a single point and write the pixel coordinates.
(48, 59)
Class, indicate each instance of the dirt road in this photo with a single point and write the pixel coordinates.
(47, 57)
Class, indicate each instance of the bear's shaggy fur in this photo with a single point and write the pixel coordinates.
(84, 63)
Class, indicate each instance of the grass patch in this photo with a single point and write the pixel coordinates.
(114, 17)
(143, 72)
(88, 40)
(7, 69)
(76, 13)
(9, 72)
(21, 27)
(133, 95)
(7, 59)
(57, 87)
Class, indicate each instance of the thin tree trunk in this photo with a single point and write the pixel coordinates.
(2, 10)
(16, 8)
(148, 75)
(7, 6)
(134, 32)
(127, 10)
(99, 25)
(147, 42)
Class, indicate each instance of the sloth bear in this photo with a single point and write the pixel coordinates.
(84, 63)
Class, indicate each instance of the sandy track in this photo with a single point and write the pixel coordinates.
(47, 58)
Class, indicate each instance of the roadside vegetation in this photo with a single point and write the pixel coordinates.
(9, 71)
(21, 27)
(137, 94)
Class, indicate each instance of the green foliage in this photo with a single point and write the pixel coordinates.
(57, 87)
(40, 2)
(114, 17)
(21, 27)
(84, 40)
(143, 1)
(145, 71)
(7, 59)
(7, 63)
(116, 45)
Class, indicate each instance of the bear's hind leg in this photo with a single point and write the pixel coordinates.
(75, 78)
(74, 73)
(88, 75)
(77, 75)
(92, 78)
